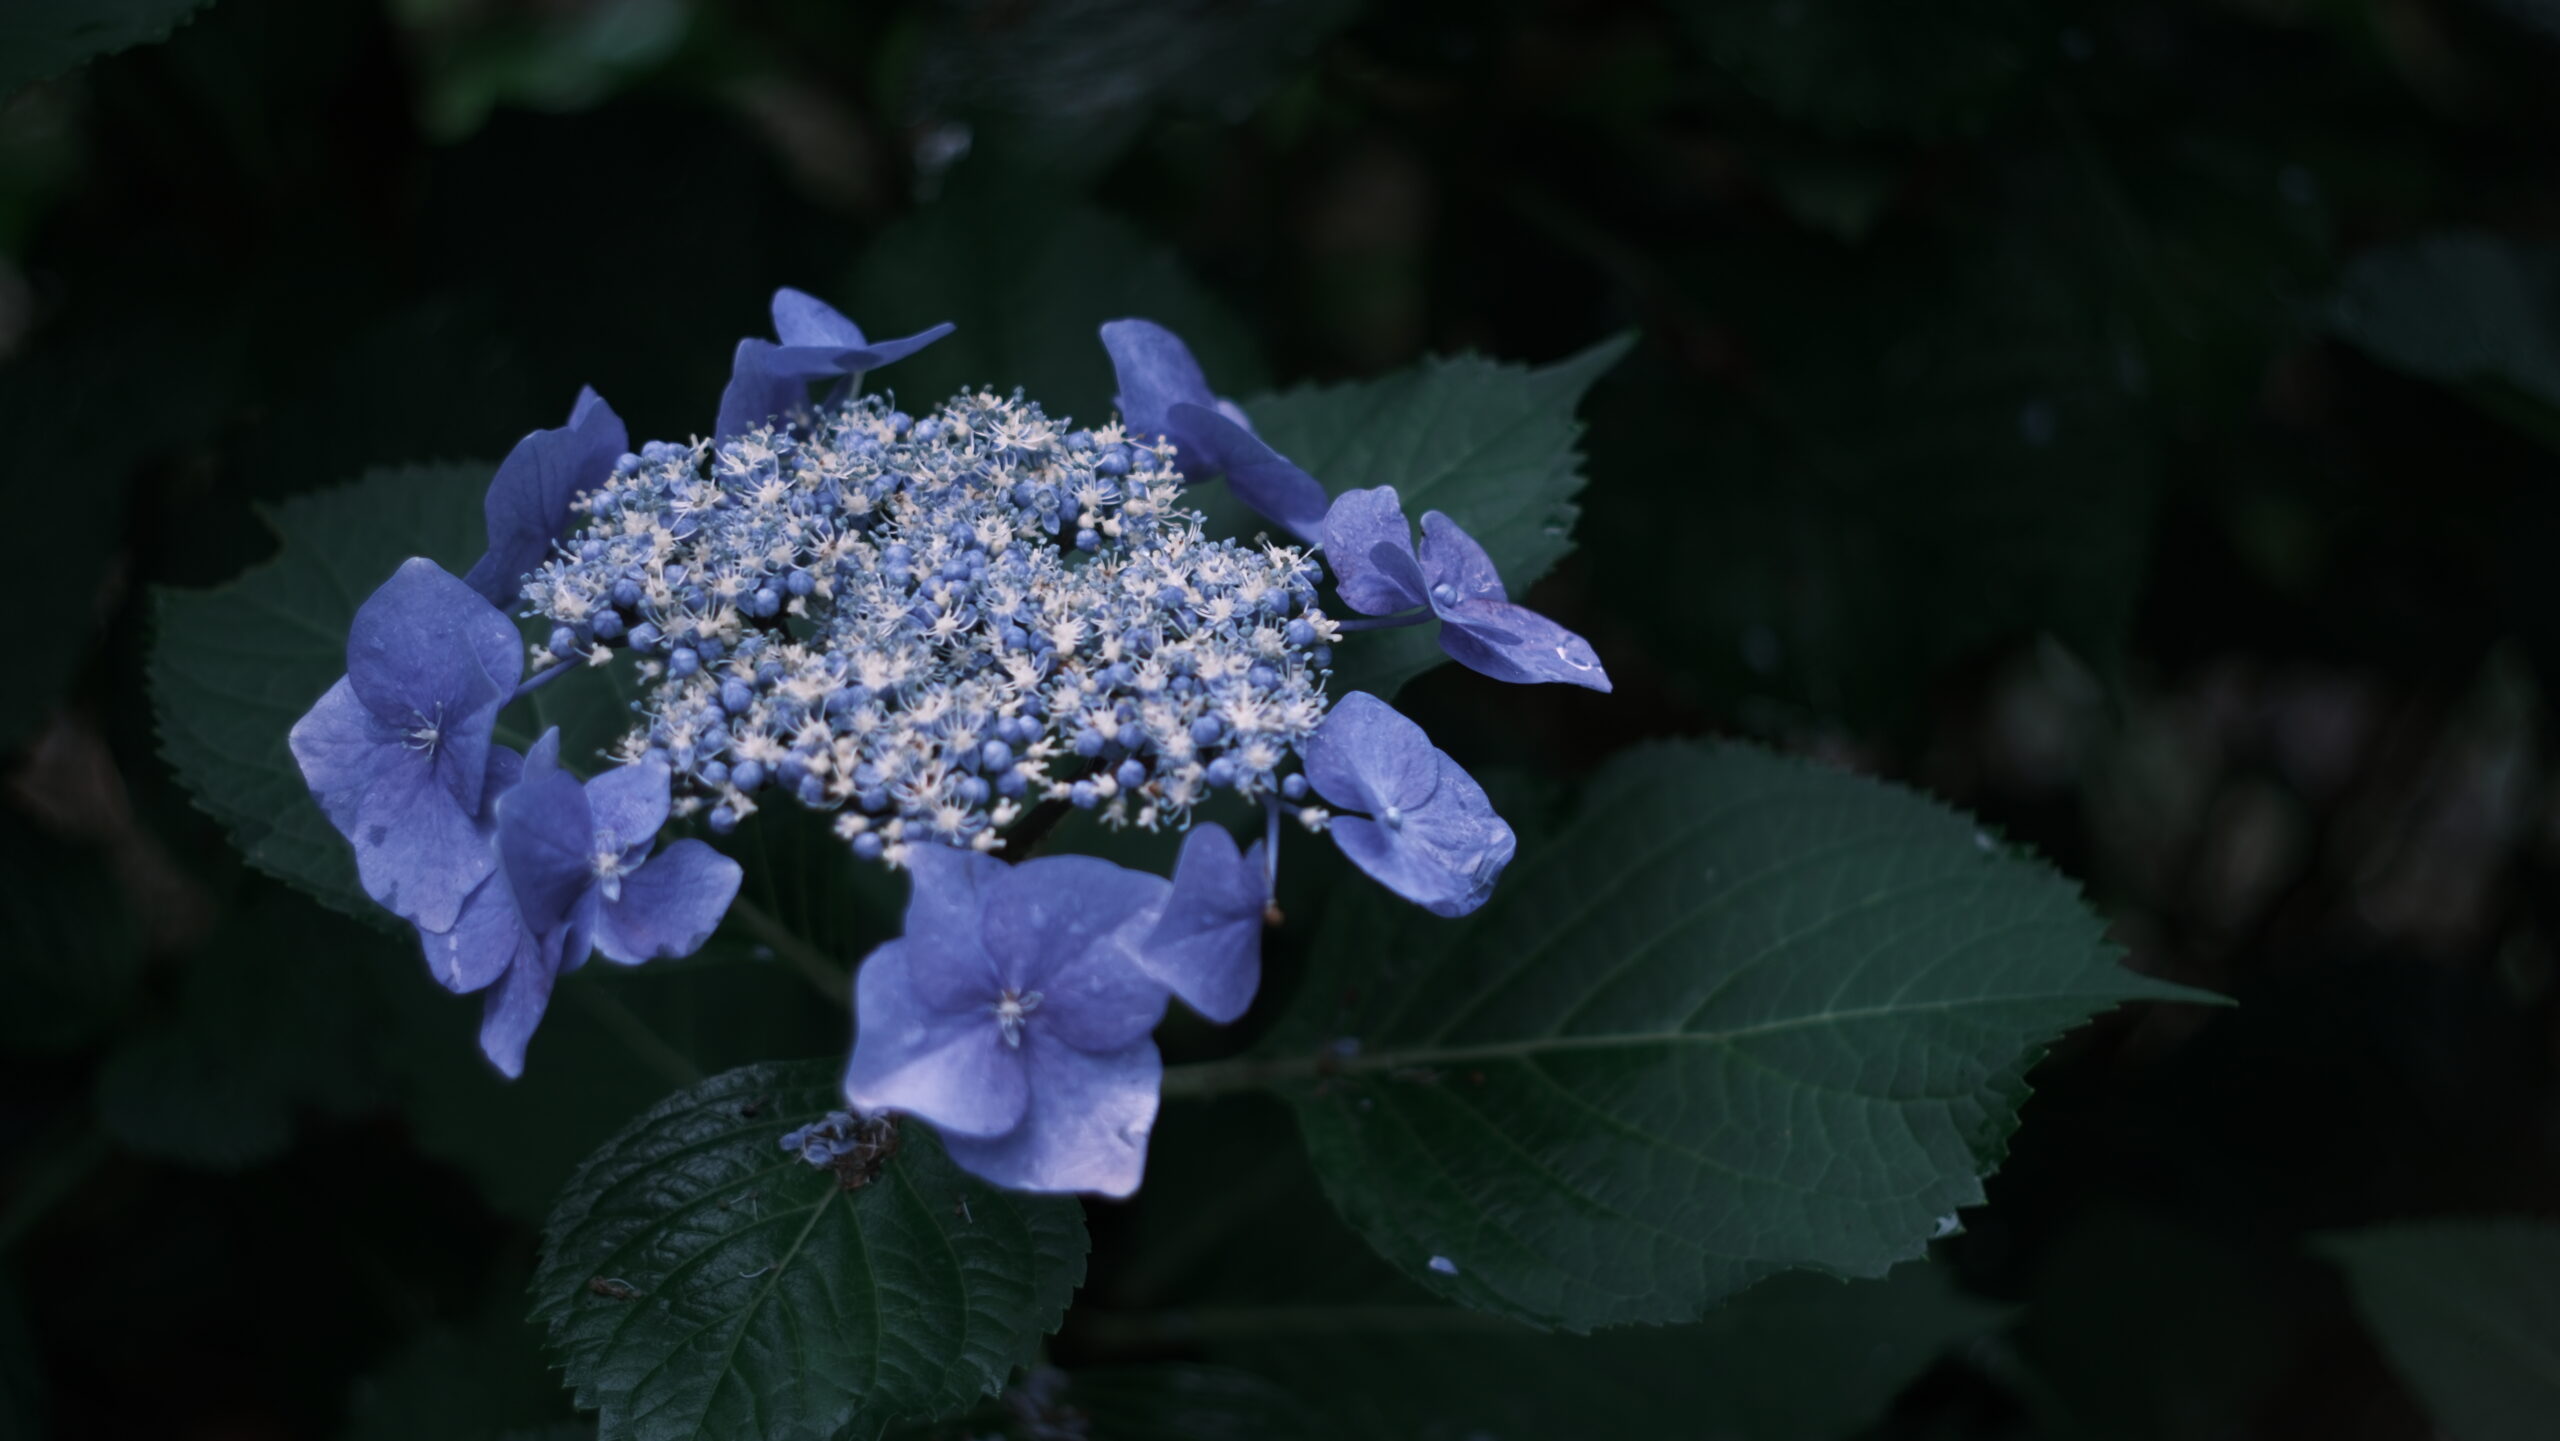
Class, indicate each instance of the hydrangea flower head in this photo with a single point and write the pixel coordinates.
(1427, 831)
(1163, 393)
(398, 752)
(1369, 544)
(818, 342)
(1014, 1017)
(924, 625)
(528, 504)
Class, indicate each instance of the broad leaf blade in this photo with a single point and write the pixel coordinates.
(2469, 1313)
(698, 1281)
(1743, 1015)
(1494, 445)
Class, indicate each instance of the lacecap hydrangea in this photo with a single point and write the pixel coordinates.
(940, 630)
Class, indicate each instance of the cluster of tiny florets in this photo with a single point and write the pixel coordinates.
(924, 625)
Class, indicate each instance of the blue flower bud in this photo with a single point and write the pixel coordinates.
(683, 662)
(735, 696)
(747, 775)
(1082, 796)
(1131, 775)
(995, 755)
(867, 845)
(1205, 731)
(724, 819)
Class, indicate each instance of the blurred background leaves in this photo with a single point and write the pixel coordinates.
(2130, 420)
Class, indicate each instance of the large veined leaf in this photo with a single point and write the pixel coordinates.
(701, 1282)
(2469, 1313)
(1742, 1015)
(1493, 445)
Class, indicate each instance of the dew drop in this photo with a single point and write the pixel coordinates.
(1447, 1267)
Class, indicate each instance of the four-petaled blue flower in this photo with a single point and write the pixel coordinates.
(1162, 392)
(578, 876)
(1428, 833)
(1014, 1017)
(1206, 943)
(528, 502)
(398, 752)
(818, 343)
(1369, 544)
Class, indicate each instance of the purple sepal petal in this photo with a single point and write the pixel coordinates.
(768, 380)
(800, 318)
(1085, 1128)
(427, 653)
(1451, 558)
(669, 905)
(757, 392)
(1206, 945)
(1514, 643)
(528, 504)
(418, 852)
(1261, 477)
(950, 1066)
(546, 841)
(1156, 372)
(1369, 544)
(1063, 927)
(1431, 834)
(341, 748)
(1482, 630)
(485, 940)
(515, 1006)
(630, 804)
(944, 909)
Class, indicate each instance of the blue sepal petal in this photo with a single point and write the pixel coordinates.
(1261, 477)
(528, 504)
(669, 906)
(1369, 544)
(1430, 833)
(1206, 944)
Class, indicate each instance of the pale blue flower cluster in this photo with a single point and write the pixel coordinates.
(924, 626)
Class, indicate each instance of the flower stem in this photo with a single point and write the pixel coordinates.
(813, 964)
(543, 677)
(1200, 1080)
(1383, 622)
(627, 1027)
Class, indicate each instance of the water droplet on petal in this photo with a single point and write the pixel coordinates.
(1447, 1267)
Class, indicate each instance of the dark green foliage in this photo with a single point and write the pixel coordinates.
(700, 1281)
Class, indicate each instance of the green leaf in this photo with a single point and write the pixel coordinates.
(2475, 312)
(40, 40)
(1492, 444)
(1744, 1014)
(1797, 1358)
(1030, 278)
(234, 667)
(699, 1282)
(2469, 1313)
